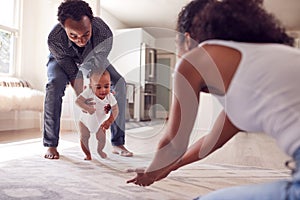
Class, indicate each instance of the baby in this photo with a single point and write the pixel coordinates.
(95, 118)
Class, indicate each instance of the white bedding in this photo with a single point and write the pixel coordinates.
(21, 98)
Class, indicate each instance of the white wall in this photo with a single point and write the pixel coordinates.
(38, 18)
(111, 21)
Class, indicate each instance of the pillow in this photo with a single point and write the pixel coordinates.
(13, 82)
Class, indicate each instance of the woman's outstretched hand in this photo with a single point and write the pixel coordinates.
(141, 178)
(145, 179)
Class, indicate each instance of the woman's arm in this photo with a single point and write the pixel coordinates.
(184, 109)
(187, 85)
(195, 72)
(222, 131)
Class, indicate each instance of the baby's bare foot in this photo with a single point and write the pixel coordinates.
(88, 157)
(102, 154)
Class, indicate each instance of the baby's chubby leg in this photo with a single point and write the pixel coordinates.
(100, 135)
(84, 140)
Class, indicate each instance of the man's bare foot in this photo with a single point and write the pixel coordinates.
(122, 151)
(102, 154)
(52, 153)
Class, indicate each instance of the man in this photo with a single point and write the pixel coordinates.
(75, 41)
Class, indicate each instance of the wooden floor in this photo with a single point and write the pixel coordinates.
(248, 158)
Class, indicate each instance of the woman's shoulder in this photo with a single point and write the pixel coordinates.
(199, 55)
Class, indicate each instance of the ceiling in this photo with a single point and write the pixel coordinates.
(162, 14)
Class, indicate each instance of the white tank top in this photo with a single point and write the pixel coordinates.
(264, 94)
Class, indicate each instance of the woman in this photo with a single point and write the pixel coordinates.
(243, 59)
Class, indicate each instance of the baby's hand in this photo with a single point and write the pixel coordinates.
(107, 108)
(105, 125)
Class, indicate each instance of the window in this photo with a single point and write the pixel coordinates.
(8, 31)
